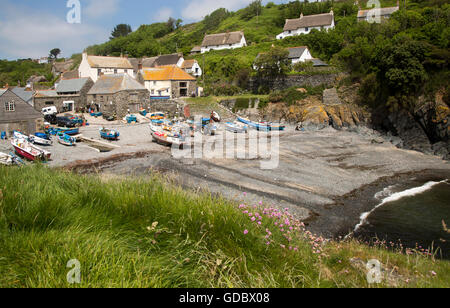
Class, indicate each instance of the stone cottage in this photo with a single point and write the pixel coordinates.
(69, 96)
(118, 95)
(16, 114)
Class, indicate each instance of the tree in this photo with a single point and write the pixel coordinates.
(54, 53)
(173, 24)
(254, 9)
(120, 31)
(273, 64)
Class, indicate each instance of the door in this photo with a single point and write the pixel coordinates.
(134, 107)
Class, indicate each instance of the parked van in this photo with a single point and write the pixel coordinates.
(49, 110)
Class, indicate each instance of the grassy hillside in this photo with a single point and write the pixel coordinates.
(150, 233)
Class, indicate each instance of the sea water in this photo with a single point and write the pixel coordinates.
(414, 217)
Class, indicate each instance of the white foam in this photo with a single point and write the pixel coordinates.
(395, 197)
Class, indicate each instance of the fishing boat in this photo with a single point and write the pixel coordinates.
(215, 117)
(96, 114)
(68, 131)
(109, 134)
(156, 125)
(264, 126)
(131, 118)
(236, 128)
(157, 116)
(164, 138)
(29, 151)
(6, 159)
(143, 112)
(65, 139)
(41, 139)
(209, 128)
(19, 135)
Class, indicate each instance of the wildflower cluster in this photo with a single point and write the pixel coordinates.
(282, 228)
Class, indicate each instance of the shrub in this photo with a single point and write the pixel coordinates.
(222, 89)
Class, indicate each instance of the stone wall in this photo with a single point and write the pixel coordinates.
(28, 127)
(191, 87)
(119, 103)
(328, 80)
(170, 107)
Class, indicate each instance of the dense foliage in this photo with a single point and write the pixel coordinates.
(13, 72)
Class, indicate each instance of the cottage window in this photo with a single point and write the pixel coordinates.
(99, 72)
(115, 71)
(306, 29)
(10, 107)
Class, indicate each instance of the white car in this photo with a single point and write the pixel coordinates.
(49, 110)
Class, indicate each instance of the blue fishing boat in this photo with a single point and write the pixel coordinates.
(109, 134)
(68, 131)
(96, 114)
(65, 139)
(131, 118)
(262, 126)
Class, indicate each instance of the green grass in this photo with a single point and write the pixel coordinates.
(150, 233)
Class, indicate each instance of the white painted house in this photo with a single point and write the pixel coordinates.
(377, 14)
(95, 66)
(192, 67)
(305, 24)
(299, 54)
(221, 41)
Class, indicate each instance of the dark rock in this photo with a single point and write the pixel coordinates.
(409, 130)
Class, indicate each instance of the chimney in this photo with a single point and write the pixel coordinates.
(301, 15)
(85, 56)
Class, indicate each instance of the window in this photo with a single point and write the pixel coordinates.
(289, 31)
(99, 72)
(10, 106)
(115, 71)
(306, 29)
(183, 84)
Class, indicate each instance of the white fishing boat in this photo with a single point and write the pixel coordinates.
(38, 140)
(29, 151)
(6, 159)
(236, 127)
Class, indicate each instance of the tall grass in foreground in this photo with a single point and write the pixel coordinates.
(150, 233)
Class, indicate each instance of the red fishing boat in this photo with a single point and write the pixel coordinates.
(29, 151)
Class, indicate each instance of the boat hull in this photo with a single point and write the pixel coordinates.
(167, 141)
(30, 156)
(110, 135)
(261, 127)
(40, 141)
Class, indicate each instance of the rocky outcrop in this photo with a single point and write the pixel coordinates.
(312, 114)
(425, 129)
(410, 132)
